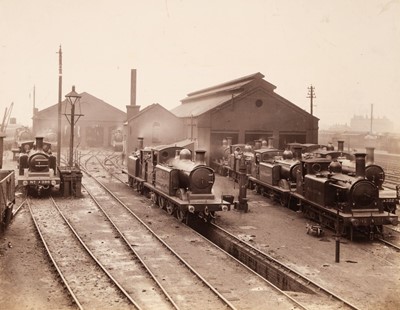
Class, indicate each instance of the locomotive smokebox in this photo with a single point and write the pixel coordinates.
(370, 155)
(360, 165)
(39, 143)
(200, 157)
(140, 143)
(340, 145)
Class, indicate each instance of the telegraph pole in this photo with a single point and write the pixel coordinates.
(311, 95)
(59, 106)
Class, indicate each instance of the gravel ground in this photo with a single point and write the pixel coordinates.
(368, 274)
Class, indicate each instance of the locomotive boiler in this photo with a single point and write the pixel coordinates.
(117, 139)
(175, 182)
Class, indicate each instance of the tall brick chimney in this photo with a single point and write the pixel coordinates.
(132, 109)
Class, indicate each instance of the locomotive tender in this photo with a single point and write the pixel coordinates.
(37, 166)
(175, 182)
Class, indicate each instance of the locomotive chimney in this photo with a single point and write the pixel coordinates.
(229, 141)
(257, 144)
(340, 145)
(370, 155)
(39, 143)
(200, 157)
(140, 143)
(297, 152)
(360, 165)
(270, 142)
(1, 149)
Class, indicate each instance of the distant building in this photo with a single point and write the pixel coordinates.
(245, 109)
(93, 128)
(363, 123)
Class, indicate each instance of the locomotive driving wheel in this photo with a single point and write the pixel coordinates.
(170, 208)
(181, 215)
(162, 202)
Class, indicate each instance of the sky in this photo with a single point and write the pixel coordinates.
(348, 50)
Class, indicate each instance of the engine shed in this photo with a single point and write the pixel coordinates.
(94, 128)
(246, 109)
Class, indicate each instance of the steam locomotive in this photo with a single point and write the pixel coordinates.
(176, 183)
(117, 140)
(322, 189)
(37, 166)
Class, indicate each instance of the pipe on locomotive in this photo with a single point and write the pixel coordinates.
(271, 142)
(340, 145)
(39, 144)
(297, 152)
(140, 143)
(229, 139)
(360, 165)
(200, 157)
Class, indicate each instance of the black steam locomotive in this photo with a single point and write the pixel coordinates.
(322, 190)
(174, 182)
(117, 139)
(37, 166)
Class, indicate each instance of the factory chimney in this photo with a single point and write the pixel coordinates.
(132, 109)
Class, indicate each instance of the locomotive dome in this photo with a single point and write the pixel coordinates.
(287, 154)
(185, 154)
(335, 167)
(247, 148)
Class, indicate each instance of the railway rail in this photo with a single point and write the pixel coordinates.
(240, 300)
(86, 279)
(300, 286)
(151, 250)
(273, 270)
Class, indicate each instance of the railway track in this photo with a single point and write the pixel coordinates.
(276, 272)
(209, 269)
(393, 235)
(307, 293)
(151, 251)
(86, 279)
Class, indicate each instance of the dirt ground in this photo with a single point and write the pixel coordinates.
(368, 274)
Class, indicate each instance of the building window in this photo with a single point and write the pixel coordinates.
(259, 103)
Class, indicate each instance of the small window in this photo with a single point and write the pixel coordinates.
(259, 103)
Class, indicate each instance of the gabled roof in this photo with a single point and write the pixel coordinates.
(86, 100)
(149, 108)
(202, 101)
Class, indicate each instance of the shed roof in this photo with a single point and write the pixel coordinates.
(88, 102)
(202, 101)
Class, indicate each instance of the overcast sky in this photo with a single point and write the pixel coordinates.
(348, 49)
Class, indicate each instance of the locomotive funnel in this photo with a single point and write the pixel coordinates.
(200, 157)
(39, 143)
(360, 165)
(270, 142)
(340, 145)
(297, 152)
(370, 155)
(140, 143)
(229, 141)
